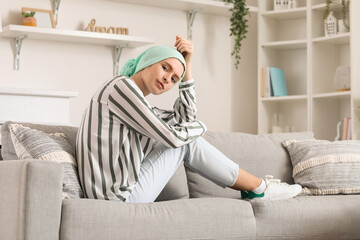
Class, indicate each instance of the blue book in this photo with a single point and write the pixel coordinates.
(278, 83)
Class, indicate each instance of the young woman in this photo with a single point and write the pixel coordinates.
(128, 150)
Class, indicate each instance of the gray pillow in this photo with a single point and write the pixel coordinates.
(324, 167)
(34, 144)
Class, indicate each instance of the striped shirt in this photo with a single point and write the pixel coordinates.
(118, 131)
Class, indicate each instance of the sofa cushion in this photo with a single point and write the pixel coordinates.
(212, 218)
(325, 167)
(34, 144)
(258, 154)
(8, 150)
(309, 217)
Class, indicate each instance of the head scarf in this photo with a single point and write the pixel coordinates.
(149, 57)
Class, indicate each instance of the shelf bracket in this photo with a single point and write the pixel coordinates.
(18, 44)
(117, 53)
(56, 5)
(191, 17)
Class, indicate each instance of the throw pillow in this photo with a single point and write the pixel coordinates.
(324, 167)
(34, 144)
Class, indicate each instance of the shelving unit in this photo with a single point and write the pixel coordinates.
(52, 34)
(294, 40)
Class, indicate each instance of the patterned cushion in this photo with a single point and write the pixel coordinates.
(34, 144)
(324, 167)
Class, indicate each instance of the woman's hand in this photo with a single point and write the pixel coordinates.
(186, 48)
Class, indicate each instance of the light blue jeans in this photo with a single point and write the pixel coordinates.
(161, 163)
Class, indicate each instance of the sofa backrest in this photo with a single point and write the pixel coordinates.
(260, 155)
(175, 189)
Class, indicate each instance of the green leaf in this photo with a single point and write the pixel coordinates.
(238, 26)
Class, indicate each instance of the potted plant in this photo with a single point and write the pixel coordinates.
(29, 19)
(239, 25)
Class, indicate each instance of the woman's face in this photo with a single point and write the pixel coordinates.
(161, 76)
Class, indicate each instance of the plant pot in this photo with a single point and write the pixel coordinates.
(29, 21)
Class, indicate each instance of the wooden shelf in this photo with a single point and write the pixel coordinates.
(62, 35)
(339, 39)
(286, 14)
(285, 98)
(285, 45)
(207, 6)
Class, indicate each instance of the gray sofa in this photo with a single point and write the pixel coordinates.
(190, 207)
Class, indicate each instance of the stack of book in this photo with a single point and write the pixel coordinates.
(344, 129)
(273, 82)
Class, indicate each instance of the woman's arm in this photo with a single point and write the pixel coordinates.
(186, 48)
(184, 109)
(131, 108)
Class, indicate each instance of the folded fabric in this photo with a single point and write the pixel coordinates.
(323, 167)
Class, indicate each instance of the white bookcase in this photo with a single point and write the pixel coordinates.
(294, 40)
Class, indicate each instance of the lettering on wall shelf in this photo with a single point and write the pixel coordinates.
(112, 30)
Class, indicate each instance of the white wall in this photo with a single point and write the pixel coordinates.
(226, 97)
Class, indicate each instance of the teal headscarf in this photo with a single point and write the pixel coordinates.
(149, 57)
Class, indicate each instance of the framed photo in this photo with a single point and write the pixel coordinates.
(44, 18)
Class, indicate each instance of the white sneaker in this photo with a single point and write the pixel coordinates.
(276, 190)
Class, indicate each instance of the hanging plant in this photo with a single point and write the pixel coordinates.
(345, 10)
(239, 26)
(327, 8)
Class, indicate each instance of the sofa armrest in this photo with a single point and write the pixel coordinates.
(30, 199)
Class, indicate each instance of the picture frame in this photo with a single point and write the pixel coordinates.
(44, 17)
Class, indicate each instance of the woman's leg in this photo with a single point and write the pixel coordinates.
(155, 172)
(160, 165)
(246, 181)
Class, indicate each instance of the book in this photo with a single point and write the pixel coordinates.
(349, 130)
(278, 84)
(268, 88)
(345, 128)
(338, 132)
(262, 82)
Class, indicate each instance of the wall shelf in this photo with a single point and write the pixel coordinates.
(285, 45)
(63, 35)
(333, 95)
(322, 6)
(343, 38)
(19, 33)
(207, 6)
(37, 92)
(286, 14)
(35, 106)
(285, 98)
